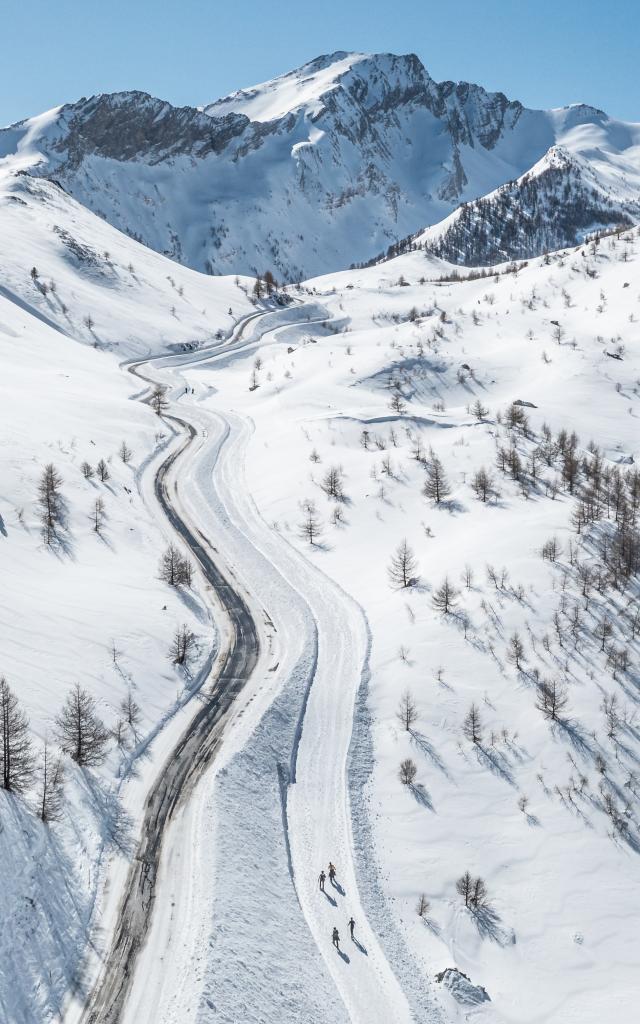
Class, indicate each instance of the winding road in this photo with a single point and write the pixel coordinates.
(187, 761)
(315, 805)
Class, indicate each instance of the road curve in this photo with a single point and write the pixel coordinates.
(181, 770)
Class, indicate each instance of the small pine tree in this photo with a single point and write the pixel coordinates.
(174, 569)
(482, 483)
(131, 712)
(423, 906)
(98, 515)
(515, 651)
(50, 786)
(464, 886)
(479, 410)
(407, 772)
(332, 483)
(125, 452)
(183, 645)
(445, 597)
(159, 402)
(80, 732)
(552, 699)
(15, 743)
(407, 712)
(311, 525)
(472, 725)
(50, 502)
(403, 568)
(436, 486)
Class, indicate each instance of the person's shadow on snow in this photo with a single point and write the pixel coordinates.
(334, 903)
(337, 886)
(358, 945)
(343, 956)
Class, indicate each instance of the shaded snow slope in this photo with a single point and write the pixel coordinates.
(97, 285)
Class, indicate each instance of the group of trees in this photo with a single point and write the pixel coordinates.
(604, 494)
(473, 891)
(265, 284)
(102, 469)
(523, 218)
(50, 502)
(79, 732)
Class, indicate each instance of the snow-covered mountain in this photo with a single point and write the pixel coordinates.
(323, 167)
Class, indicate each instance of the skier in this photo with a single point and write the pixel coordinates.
(332, 872)
(352, 925)
(336, 938)
(321, 880)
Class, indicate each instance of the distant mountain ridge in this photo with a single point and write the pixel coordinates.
(325, 166)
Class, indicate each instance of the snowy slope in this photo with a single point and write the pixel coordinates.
(66, 399)
(565, 197)
(135, 300)
(554, 942)
(317, 170)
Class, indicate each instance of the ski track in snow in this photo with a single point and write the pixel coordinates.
(255, 891)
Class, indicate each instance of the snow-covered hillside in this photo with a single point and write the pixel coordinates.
(563, 197)
(89, 607)
(317, 170)
(544, 811)
(96, 285)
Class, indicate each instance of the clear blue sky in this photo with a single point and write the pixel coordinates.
(543, 53)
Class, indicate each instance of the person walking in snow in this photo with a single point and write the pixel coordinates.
(332, 873)
(321, 880)
(336, 938)
(352, 925)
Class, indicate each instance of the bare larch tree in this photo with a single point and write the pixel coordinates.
(472, 725)
(15, 743)
(183, 645)
(403, 568)
(407, 711)
(436, 486)
(80, 732)
(50, 785)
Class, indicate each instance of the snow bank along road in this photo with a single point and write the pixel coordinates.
(316, 810)
(184, 766)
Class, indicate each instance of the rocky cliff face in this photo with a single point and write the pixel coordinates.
(314, 171)
(133, 126)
